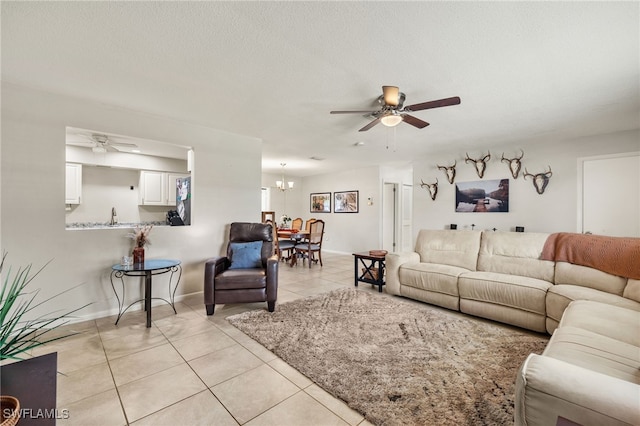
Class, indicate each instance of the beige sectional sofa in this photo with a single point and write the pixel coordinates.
(589, 372)
(501, 276)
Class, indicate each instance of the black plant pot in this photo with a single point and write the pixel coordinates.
(33, 382)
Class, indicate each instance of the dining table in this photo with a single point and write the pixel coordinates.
(293, 234)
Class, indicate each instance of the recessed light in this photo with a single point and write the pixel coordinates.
(316, 158)
(136, 151)
(358, 144)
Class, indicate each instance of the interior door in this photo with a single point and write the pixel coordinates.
(407, 218)
(611, 195)
(389, 217)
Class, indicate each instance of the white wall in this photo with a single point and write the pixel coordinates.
(347, 232)
(104, 188)
(553, 211)
(226, 177)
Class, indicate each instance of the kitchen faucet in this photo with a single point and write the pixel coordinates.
(114, 216)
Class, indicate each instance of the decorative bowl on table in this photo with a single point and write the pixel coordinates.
(377, 252)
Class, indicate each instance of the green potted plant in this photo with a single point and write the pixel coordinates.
(21, 330)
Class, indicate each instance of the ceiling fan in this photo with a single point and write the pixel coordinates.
(101, 143)
(393, 111)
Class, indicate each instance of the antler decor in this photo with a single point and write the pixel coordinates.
(540, 180)
(514, 164)
(432, 187)
(480, 163)
(450, 171)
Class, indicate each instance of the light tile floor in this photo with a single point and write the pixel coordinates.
(194, 369)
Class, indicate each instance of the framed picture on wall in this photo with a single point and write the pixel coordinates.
(345, 202)
(320, 202)
(483, 196)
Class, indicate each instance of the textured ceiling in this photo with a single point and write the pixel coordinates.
(273, 70)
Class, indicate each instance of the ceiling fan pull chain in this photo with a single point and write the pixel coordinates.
(395, 139)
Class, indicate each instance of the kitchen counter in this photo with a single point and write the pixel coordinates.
(106, 225)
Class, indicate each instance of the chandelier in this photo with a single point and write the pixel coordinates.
(280, 184)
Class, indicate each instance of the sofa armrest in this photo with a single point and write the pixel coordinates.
(393, 261)
(213, 267)
(548, 388)
(272, 278)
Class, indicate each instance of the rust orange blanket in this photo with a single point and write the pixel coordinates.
(615, 255)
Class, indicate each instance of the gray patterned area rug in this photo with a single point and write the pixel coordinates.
(396, 361)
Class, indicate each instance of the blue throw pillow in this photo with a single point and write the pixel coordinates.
(246, 255)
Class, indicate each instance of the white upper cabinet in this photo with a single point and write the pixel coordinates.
(158, 188)
(73, 184)
(153, 188)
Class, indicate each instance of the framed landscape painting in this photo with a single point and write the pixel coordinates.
(483, 196)
(345, 202)
(320, 202)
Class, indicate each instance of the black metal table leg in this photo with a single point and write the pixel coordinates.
(147, 296)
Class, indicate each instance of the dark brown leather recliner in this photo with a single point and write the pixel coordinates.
(224, 284)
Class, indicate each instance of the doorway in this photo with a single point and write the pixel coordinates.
(390, 217)
(397, 210)
(609, 195)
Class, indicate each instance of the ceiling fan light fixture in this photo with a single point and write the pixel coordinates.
(391, 95)
(391, 120)
(99, 149)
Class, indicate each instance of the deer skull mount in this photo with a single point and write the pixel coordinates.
(480, 163)
(514, 164)
(540, 180)
(432, 187)
(450, 171)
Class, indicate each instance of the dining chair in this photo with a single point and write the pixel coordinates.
(308, 223)
(313, 246)
(281, 245)
(296, 223)
(307, 226)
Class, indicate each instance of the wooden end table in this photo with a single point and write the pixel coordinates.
(373, 271)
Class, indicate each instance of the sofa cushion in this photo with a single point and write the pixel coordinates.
(508, 290)
(454, 248)
(568, 273)
(559, 297)
(433, 297)
(431, 277)
(595, 352)
(515, 253)
(504, 314)
(632, 290)
(612, 321)
(234, 279)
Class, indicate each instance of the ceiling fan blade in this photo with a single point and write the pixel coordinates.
(131, 145)
(414, 121)
(391, 95)
(351, 112)
(434, 104)
(370, 125)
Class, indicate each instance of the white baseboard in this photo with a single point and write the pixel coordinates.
(114, 311)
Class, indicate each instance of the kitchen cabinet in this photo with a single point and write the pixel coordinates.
(73, 184)
(158, 188)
